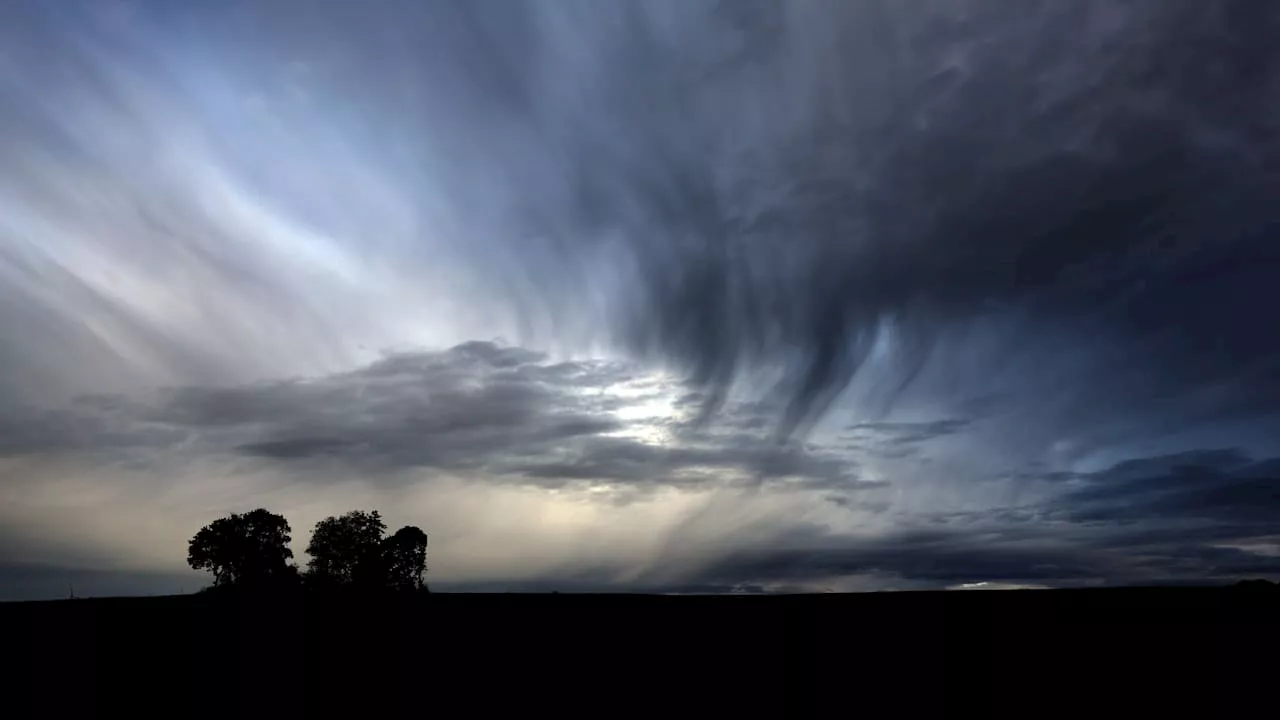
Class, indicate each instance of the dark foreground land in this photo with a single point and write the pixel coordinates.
(1105, 652)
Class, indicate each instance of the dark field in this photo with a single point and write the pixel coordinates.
(908, 653)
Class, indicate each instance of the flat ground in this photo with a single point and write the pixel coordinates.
(1197, 648)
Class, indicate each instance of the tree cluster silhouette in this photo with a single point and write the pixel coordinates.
(349, 553)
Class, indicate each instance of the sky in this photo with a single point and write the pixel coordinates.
(661, 296)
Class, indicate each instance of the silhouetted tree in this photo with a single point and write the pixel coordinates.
(346, 551)
(404, 557)
(249, 549)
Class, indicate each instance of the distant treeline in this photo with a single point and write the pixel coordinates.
(349, 552)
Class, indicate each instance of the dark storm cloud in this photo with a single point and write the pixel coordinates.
(478, 407)
(1182, 517)
(718, 186)
(817, 177)
(1222, 487)
(742, 185)
(1035, 555)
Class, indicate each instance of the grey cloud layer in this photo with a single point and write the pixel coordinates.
(504, 412)
(791, 183)
(1194, 516)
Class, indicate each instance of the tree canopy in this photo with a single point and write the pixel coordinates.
(243, 549)
(405, 558)
(347, 552)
